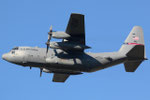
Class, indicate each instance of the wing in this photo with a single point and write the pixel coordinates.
(60, 77)
(74, 37)
(76, 28)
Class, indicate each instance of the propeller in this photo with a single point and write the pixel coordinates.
(49, 38)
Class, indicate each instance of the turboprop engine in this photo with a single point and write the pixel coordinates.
(60, 35)
(64, 45)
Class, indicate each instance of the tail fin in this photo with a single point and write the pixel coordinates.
(134, 49)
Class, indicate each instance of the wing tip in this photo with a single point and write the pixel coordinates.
(77, 14)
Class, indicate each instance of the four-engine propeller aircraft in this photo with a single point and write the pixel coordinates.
(67, 57)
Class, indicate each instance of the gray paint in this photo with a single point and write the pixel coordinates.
(81, 62)
(70, 58)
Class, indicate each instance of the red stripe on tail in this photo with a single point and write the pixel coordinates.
(134, 44)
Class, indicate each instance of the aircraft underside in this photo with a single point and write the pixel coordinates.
(78, 64)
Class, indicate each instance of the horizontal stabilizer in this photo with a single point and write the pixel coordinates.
(131, 66)
(60, 77)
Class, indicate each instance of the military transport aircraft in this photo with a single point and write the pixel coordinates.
(67, 57)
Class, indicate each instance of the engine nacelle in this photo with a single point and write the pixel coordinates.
(66, 45)
(60, 35)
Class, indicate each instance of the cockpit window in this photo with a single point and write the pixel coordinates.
(13, 52)
(16, 48)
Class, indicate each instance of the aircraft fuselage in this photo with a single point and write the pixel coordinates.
(60, 61)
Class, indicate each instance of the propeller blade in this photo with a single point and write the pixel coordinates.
(41, 70)
(47, 49)
(50, 28)
(49, 38)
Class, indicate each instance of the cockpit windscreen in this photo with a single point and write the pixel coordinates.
(15, 48)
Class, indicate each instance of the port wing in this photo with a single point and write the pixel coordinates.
(76, 28)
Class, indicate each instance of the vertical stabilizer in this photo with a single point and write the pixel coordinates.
(135, 36)
(134, 49)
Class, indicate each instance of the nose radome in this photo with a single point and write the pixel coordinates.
(4, 56)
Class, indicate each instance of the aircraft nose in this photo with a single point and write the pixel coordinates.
(5, 56)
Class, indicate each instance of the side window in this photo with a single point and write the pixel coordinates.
(13, 52)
